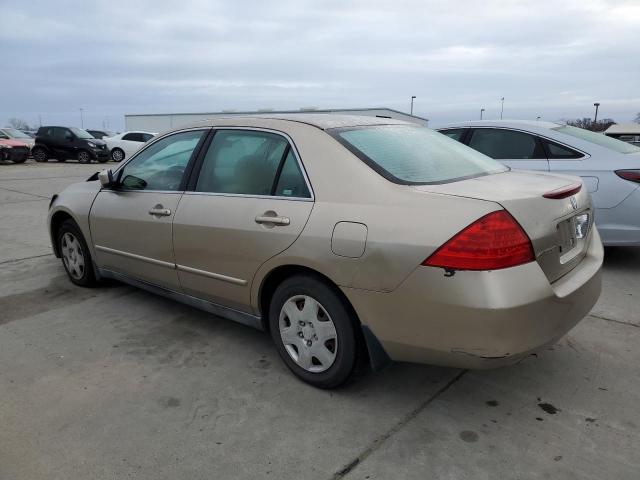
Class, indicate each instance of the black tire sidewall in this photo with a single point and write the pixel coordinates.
(38, 149)
(119, 150)
(80, 154)
(88, 278)
(347, 354)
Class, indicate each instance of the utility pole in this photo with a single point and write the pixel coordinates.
(81, 119)
(501, 107)
(481, 111)
(412, 97)
(595, 117)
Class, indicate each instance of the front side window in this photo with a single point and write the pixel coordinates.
(161, 166)
(502, 144)
(597, 138)
(415, 155)
(244, 162)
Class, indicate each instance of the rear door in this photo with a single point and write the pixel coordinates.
(516, 149)
(131, 143)
(249, 200)
(131, 225)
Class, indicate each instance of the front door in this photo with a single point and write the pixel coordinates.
(131, 224)
(515, 149)
(249, 202)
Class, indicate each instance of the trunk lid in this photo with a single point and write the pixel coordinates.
(559, 229)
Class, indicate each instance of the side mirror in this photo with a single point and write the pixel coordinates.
(106, 178)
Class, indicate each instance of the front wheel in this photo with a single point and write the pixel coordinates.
(314, 331)
(20, 160)
(84, 157)
(75, 254)
(40, 155)
(117, 154)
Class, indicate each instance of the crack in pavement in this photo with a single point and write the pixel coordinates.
(38, 178)
(24, 201)
(24, 193)
(621, 322)
(13, 260)
(380, 440)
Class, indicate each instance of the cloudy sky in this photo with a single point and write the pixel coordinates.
(552, 59)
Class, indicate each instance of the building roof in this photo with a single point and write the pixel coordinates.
(622, 128)
(322, 121)
(278, 112)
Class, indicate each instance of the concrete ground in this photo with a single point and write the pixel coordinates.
(114, 382)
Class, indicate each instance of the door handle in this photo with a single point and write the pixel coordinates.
(274, 220)
(160, 211)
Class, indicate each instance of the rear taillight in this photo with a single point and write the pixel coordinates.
(631, 175)
(564, 192)
(492, 242)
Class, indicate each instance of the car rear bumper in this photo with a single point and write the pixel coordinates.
(620, 225)
(479, 319)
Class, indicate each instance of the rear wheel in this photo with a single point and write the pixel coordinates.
(84, 157)
(314, 331)
(75, 254)
(40, 154)
(117, 154)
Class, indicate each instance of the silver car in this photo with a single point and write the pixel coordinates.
(610, 169)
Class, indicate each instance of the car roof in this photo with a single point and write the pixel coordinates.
(503, 123)
(322, 121)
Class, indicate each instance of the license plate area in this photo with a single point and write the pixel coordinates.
(572, 236)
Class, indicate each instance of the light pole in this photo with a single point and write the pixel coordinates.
(538, 118)
(501, 107)
(481, 111)
(412, 97)
(595, 117)
(81, 119)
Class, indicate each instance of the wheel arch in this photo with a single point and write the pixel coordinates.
(57, 219)
(375, 355)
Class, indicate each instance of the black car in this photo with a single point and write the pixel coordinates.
(62, 143)
(101, 133)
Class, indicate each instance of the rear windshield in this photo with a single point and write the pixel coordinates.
(598, 138)
(415, 155)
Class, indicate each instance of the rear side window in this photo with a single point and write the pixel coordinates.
(502, 144)
(291, 182)
(454, 133)
(557, 152)
(414, 155)
(133, 137)
(598, 139)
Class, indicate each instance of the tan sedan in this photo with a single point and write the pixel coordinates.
(345, 237)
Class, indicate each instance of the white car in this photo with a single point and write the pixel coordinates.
(126, 144)
(609, 168)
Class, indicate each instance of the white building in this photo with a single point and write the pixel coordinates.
(159, 122)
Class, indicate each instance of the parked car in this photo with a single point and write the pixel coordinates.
(14, 151)
(126, 144)
(101, 134)
(610, 169)
(63, 143)
(626, 132)
(342, 236)
(15, 134)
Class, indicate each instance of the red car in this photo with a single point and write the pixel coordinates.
(13, 150)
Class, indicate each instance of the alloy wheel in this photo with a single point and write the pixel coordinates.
(308, 333)
(117, 155)
(72, 255)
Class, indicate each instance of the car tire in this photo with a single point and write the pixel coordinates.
(84, 156)
(103, 159)
(117, 155)
(319, 344)
(20, 160)
(75, 255)
(40, 155)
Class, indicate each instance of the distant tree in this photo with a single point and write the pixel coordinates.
(587, 124)
(19, 124)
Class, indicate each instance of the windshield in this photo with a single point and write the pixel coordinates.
(81, 133)
(415, 155)
(598, 138)
(13, 133)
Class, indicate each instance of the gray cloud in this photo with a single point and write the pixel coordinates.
(109, 57)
